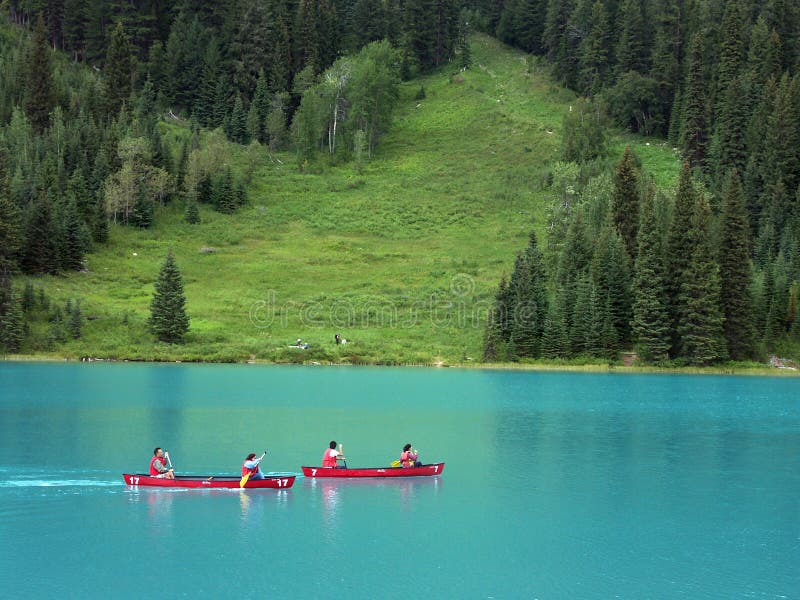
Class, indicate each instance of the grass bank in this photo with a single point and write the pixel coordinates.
(402, 260)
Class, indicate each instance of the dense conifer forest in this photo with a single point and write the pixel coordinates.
(712, 273)
(703, 273)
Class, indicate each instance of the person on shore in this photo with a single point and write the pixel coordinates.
(337, 338)
(409, 457)
(250, 465)
(160, 465)
(331, 457)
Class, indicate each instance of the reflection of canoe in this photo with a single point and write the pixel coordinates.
(281, 481)
(423, 471)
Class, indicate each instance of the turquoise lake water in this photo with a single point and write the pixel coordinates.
(556, 485)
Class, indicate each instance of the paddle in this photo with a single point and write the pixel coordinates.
(341, 453)
(243, 482)
(395, 463)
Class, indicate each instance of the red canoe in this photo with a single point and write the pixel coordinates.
(423, 471)
(280, 481)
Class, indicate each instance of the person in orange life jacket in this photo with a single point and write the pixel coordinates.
(250, 465)
(158, 465)
(331, 456)
(408, 457)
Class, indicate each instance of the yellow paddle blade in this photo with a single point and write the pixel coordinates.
(396, 463)
(244, 480)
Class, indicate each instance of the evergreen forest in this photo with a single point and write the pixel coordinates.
(139, 121)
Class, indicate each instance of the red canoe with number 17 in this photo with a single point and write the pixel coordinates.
(278, 481)
(422, 471)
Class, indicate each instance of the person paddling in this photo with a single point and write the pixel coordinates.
(250, 465)
(409, 457)
(158, 465)
(331, 457)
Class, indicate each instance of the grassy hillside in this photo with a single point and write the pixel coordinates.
(401, 260)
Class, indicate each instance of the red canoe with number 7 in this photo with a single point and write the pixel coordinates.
(275, 481)
(422, 471)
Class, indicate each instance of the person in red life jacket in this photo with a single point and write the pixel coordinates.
(408, 457)
(158, 465)
(331, 457)
(250, 465)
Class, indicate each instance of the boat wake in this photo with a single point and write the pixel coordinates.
(29, 483)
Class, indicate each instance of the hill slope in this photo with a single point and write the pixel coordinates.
(401, 260)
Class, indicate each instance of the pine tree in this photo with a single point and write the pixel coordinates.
(732, 52)
(650, 325)
(630, 50)
(729, 151)
(205, 104)
(498, 324)
(99, 222)
(554, 37)
(118, 71)
(776, 303)
(530, 300)
(143, 208)
(625, 200)
(665, 68)
(40, 252)
(237, 125)
(75, 25)
(28, 297)
(57, 333)
(735, 273)
(75, 324)
(612, 277)
(700, 327)
(11, 317)
(695, 111)
(679, 250)
(782, 136)
(74, 239)
(168, 319)
(39, 92)
(248, 48)
(554, 343)
(594, 51)
(10, 232)
(192, 213)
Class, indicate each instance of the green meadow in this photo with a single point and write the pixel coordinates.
(402, 259)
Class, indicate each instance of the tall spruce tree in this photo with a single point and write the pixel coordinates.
(735, 273)
(10, 232)
(679, 250)
(612, 277)
(665, 67)
(695, 109)
(498, 325)
(625, 200)
(650, 325)
(732, 51)
(118, 71)
(39, 89)
(700, 326)
(530, 300)
(40, 254)
(594, 61)
(168, 319)
(11, 317)
(630, 49)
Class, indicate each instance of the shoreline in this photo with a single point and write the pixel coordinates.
(765, 370)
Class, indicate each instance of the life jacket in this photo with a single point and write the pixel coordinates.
(406, 459)
(245, 470)
(328, 460)
(153, 470)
